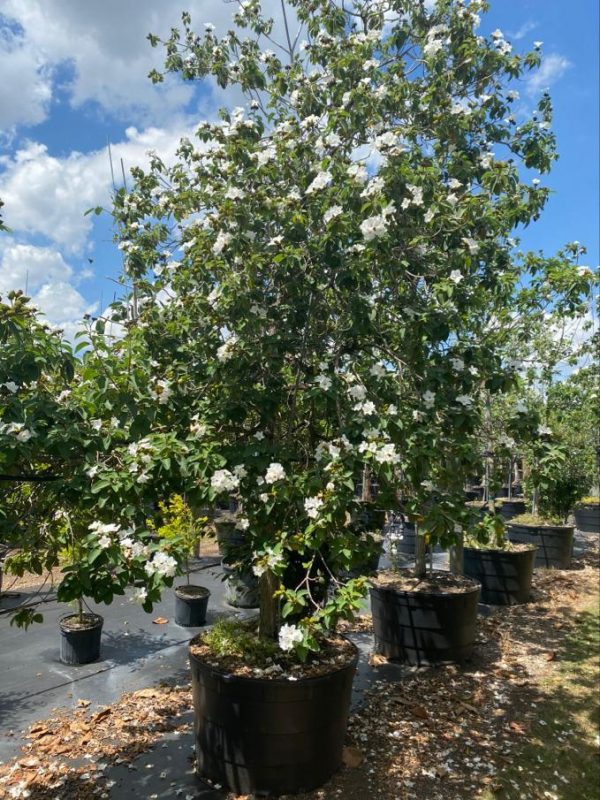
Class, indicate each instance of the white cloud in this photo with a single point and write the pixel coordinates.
(48, 280)
(522, 32)
(105, 45)
(47, 195)
(552, 68)
(26, 85)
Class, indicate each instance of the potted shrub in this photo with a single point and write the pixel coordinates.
(552, 537)
(181, 528)
(425, 616)
(587, 514)
(509, 507)
(503, 568)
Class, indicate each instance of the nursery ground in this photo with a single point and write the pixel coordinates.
(519, 721)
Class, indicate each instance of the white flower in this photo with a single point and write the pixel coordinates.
(312, 506)
(417, 415)
(233, 193)
(222, 240)
(392, 410)
(226, 351)
(263, 497)
(139, 596)
(428, 399)
(378, 371)
(240, 471)
(386, 454)
(368, 408)
(537, 45)
(452, 199)
(465, 400)
(25, 435)
(374, 186)
(332, 213)
(521, 408)
(386, 140)
(471, 244)
(544, 430)
(458, 364)
(373, 227)
(274, 473)
(96, 424)
(322, 180)
(161, 392)
(358, 173)
(456, 276)
(143, 477)
(259, 436)
(429, 215)
(224, 481)
(324, 382)
(11, 386)
(104, 542)
(289, 635)
(242, 524)
(161, 564)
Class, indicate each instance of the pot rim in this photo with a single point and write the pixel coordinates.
(563, 528)
(476, 586)
(206, 592)
(259, 681)
(528, 548)
(99, 620)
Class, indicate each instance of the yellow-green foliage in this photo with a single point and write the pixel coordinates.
(179, 525)
(589, 500)
(232, 638)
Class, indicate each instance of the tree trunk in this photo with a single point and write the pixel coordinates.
(456, 553)
(420, 554)
(268, 625)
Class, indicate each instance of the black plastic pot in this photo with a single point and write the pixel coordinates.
(510, 508)
(230, 539)
(424, 627)
(505, 575)
(474, 493)
(191, 604)
(407, 545)
(554, 543)
(262, 736)
(241, 588)
(587, 517)
(80, 645)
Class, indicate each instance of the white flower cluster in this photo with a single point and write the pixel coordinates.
(18, 430)
(436, 38)
(289, 635)
(312, 506)
(383, 453)
(269, 560)
(416, 198)
(222, 241)
(224, 481)
(161, 391)
(321, 181)
(376, 227)
(226, 351)
(161, 564)
(274, 473)
(332, 213)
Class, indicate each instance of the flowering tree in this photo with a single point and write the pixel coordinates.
(324, 279)
(58, 419)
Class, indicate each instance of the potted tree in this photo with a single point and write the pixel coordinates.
(587, 514)
(179, 526)
(503, 568)
(325, 312)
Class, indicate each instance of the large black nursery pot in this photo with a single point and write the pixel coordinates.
(269, 736)
(408, 543)
(554, 542)
(587, 517)
(191, 604)
(509, 508)
(231, 540)
(80, 643)
(423, 627)
(505, 575)
(241, 587)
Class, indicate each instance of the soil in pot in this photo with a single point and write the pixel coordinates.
(505, 575)
(191, 604)
(554, 542)
(241, 588)
(80, 638)
(424, 621)
(272, 735)
(587, 517)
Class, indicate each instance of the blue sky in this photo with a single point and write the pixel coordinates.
(74, 79)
